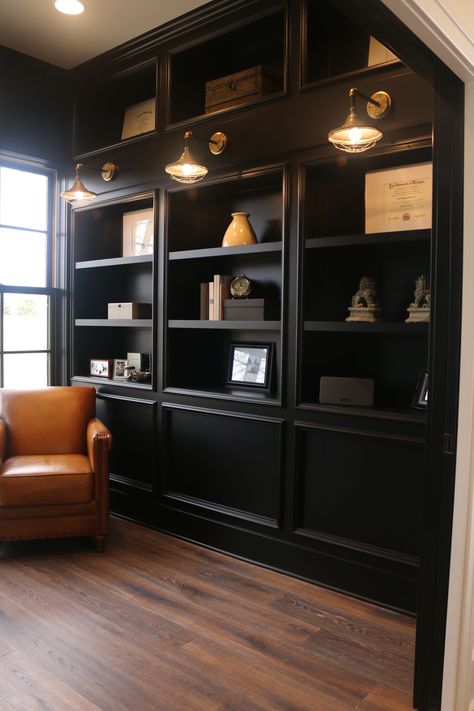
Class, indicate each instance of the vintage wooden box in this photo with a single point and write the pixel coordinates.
(129, 310)
(241, 87)
(249, 309)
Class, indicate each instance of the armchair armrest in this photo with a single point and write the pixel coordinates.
(99, 441)
(3, 440)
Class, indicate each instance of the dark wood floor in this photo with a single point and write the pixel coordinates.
(159, 624)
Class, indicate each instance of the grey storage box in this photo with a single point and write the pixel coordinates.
(249, 309)
(129, 310)
(346, 391)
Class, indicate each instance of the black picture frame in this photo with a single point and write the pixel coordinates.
(250, 365)
(420, 399)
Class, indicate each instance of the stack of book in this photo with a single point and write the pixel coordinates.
(213, 294)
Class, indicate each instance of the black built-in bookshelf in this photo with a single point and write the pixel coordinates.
(327, 492)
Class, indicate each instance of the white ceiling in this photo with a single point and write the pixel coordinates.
(36, 28)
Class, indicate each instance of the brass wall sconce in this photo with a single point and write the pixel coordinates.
(187, 169)
(78, 191)
(356, 135)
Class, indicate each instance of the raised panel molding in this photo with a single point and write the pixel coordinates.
(229, 463)
(345, 496)
(133, 454)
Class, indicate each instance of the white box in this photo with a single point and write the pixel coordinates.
(129, 310)
(399, 198)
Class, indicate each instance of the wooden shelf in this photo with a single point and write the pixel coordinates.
(115, 322)
(227, 393)
(383, 413)
(226, 325)
(387, 327)
(110, 381)
(115, 262)
(367, 240)
(226, 251)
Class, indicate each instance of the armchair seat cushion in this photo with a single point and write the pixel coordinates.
(45, 479)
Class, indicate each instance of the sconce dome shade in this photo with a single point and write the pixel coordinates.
(78, 192)
(354, 136)
(186, 169)
(354, 139)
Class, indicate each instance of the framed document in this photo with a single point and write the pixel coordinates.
(139, 119)
(379, 54)
(399, 198)
(137, 233)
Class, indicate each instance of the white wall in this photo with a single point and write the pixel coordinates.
(447, 27)
(458, 679)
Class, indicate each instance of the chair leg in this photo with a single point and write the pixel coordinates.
(99, 543)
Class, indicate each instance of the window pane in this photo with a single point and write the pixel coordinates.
(23, 258)
(23, 199)
(28, 370)
(25, 324)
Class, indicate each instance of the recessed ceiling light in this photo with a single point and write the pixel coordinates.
(69, 7)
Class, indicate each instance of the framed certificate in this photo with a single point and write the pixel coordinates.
(138, 119)
(399, 198)
(137, 233)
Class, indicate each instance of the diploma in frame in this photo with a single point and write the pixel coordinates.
(399, 198)
(138, 119)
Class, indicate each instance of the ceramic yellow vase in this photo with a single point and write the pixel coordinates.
(240, 231)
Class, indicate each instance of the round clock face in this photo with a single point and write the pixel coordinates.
(240, 287)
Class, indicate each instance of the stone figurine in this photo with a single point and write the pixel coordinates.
(365, 305)
(419, 309)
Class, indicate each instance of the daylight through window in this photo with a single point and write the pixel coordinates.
(26, 294)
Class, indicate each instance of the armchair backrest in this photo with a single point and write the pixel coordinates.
(47, 421)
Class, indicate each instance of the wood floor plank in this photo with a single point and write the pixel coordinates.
(159, 624)
(252, 683)
(205, 617)
(386, 698)
(271, 584)
(358, 629)
(25, 685)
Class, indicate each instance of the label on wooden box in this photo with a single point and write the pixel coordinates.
(241, 87)
(129, 310)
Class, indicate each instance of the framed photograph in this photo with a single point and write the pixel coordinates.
(250, 364)
(139, 118)
(120, 369)
(420, 400)
(398, 198)
(137, 230)
(101, 367)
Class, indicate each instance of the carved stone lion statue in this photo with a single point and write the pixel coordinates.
(366, 294)
(422, 293)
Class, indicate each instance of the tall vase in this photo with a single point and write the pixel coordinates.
(240, 231)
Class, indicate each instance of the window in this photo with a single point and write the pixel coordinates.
(26, 293)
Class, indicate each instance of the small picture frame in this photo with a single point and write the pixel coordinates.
(120, 369)
(137, 231)
(250, 365)
(101, 367)
(420, 399)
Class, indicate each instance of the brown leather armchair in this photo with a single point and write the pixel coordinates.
(53, 465)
